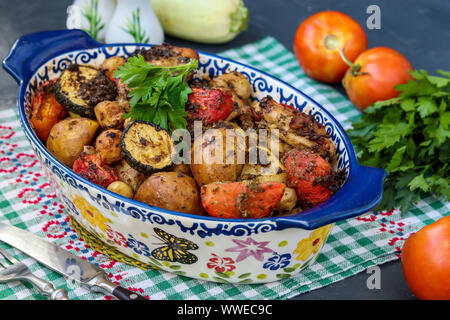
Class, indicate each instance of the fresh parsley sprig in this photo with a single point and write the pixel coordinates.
(409, 136)
(157, 94)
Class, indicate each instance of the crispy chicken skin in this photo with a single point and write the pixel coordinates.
(298, 129)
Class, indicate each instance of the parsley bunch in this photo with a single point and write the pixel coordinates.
(409, 137)
(157, 94)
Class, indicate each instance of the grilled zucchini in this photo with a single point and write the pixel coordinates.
(147, 147)
(80, 88)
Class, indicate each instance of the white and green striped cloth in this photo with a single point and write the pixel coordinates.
(27, 202)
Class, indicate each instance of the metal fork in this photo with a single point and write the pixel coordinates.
(16, 270)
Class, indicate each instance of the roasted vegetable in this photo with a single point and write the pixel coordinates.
(112, 64)
(147, 147)
(109, 115)
(203, 21)
(172, 191)
(80, 88)
(235, 82)
(288, 201)
(209, 106)
(236, 200)
(91, 167)
(267, 164)
(129, 175)
(166, 55)
(183, 168)
(121, 188)
(68, 138)
(107, 145)
(311, 176)
(212, 159)
(298, 129)
(46, 111)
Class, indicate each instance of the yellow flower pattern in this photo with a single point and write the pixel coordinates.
(309, 246)
(90, 213)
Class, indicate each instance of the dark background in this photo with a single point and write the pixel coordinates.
(419, 29)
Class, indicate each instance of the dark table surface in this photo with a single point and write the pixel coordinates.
(420, 29)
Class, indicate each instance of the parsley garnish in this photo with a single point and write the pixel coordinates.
(157, 94)
(409, 136)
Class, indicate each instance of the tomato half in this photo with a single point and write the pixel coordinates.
(209, 105)
(374, 74)
(91, 167)
(46, 111)
(319, 40)
(426, 261)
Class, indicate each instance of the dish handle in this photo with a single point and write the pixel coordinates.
(360, 194)
(30, 51)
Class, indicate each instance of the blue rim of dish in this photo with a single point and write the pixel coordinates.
(284, 221)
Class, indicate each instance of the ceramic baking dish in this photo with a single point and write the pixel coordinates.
(237, 251)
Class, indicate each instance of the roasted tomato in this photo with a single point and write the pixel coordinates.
(319, 40)
(91, 167)
(426, 261)
(311, 176)
(46, 111)
(209, 105)
(374, 74)
(236, 200)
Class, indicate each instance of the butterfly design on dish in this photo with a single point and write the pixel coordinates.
(174, 249)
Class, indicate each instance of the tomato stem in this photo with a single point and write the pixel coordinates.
(354, 68)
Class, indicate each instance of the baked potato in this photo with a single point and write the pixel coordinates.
(129, 175)
(109, 115)
(107, 145)
(183, 168)
(216, 157)
(111, 64)
(234, 81)
(121, 188)
(68, 138)
(288, 201)
(172, 191)
(267, 164)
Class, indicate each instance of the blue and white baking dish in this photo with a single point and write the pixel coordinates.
(236, 251)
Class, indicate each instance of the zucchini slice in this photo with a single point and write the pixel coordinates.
(147, 147)
(81, 87)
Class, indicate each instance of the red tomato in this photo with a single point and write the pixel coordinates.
(426, 261)
(46, 111)
(234, 200)
(374, 74)
(319, 40)
(308, 174)
(209, 105)
(91, 167)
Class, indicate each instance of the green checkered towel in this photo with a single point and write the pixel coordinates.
(27, 202)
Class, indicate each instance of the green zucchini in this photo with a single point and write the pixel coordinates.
(147, 147)
(203, 21)
(81, 87)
